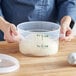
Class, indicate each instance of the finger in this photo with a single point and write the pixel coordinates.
(62, 33)
(69, 31)
(13, 29)
(69, 38)
(61, 39)
(16, 38)
(69, 35)
(8, 37)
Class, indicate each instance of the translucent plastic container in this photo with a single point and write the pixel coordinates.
(8, 64)
(39, 38)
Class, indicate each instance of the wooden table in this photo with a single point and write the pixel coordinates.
(55, 65)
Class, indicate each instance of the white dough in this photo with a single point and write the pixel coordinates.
(38, 44)
(72, 58)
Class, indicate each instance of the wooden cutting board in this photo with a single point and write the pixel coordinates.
(54, 65)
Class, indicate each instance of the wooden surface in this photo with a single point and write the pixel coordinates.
(55, 65)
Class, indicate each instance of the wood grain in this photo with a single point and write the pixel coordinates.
(54, 65)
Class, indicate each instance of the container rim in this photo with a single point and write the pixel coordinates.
(18, 26)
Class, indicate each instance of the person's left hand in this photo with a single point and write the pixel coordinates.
(9, 30)
(66, 31)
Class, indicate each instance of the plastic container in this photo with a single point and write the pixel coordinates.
(39, 38)
(8, 64)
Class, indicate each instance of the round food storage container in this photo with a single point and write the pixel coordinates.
(39, 38)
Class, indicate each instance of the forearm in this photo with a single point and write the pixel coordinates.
(2, 22)
(4, 25)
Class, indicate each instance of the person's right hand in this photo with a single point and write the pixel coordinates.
(9, 30)
(65, 30)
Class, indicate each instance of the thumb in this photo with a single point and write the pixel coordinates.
(13, 29)
(63, 32)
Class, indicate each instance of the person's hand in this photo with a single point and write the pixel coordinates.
(9, 30)
(66, 31)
